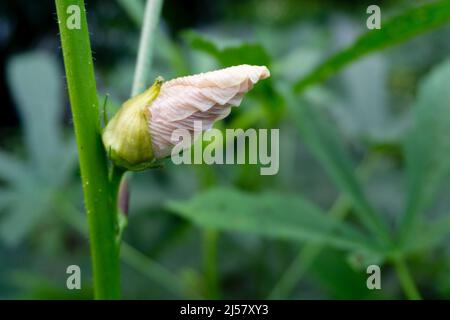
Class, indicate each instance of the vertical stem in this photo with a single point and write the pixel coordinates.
(146, 44)
(100, 206)
(406, 280)
(210, 238)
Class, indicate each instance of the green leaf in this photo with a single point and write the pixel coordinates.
(35, 81)
(396, 30)
(67, 162)
(322, 139)
(13, 170)
(33, 286)
(363, 111)
(242, 53)
(269, 214)
(134, 9)
(24, 214)
(36, 84)
(427, 147)
(429, 235)
(7, 197)
(336, 276)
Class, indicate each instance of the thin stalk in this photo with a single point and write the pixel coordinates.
(134, 9)
(146, 44)
(210, 269)
(100, 208)
(406, 280)
(143, 62)
(210, 239)
(142, 69)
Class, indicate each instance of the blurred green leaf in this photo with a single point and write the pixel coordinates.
(364, 110)
(323, 140)
(427, 147)
(429, 235)
(36, 85)
(288, 67)
(396, 30)
(35, 287)
(243, 53)
(35, 81)
(269, 214)
(339, 279)
(13, 170)
(134, 9)
(24, 213)
(6, 198)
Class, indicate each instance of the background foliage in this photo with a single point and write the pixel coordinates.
(364, 153)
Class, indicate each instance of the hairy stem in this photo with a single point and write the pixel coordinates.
(100, 205)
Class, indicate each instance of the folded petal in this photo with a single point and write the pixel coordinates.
(205, 97)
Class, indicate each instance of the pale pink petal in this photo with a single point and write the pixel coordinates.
(205, 97)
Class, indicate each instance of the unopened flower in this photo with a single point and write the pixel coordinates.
(141, 131)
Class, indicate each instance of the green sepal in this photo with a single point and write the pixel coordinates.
(127, 137)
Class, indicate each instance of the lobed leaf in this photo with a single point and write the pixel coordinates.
(35, 81)
(269, 214)
(427, 146)
(396, 30)
(322, 139)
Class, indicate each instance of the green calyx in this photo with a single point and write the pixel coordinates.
(127, 137)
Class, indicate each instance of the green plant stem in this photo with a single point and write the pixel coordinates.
(210, 238)
(101, 211)
(406, 280)
(134, 9)
(146, 42)
(146, 45)
(210, 269)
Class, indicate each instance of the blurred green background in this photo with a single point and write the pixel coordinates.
(374, 139)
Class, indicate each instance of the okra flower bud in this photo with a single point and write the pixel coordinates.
(141, 131)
